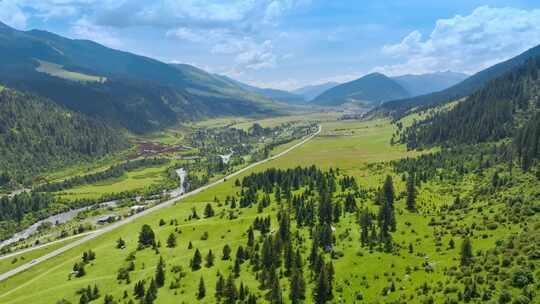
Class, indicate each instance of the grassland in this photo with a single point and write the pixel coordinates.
(57, 70)
(16, 260)
(358, 148)
(84, 167)
(50, 278)
(129, 181)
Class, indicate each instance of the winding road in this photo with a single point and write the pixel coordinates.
(125, 221)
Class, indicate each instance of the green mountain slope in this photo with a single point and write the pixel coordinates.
(132, 91)
(37, 134)
(490, 114)
(370, 89)
(399, 107)
(428, 83)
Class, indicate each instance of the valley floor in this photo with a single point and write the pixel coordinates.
(416, 272)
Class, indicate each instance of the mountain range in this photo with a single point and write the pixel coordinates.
(368, 90)
(273, 94)
(400, 107)
(127, 90)
(420, 84)
(376, 88)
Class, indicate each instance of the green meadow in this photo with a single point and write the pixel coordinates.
(129, 181)
(59, 71)
(359, 148)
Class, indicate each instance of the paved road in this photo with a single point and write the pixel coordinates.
(9, 255)
(168, 203)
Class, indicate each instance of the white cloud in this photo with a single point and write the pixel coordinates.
(257, 56)
(85, 29)
(12, 15)
(244, 15)
(235, 28)
(187, 34)
(232, 28)
(466, 43)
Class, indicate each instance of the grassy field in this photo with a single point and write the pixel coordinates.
(129, 181)
(85, 167)
(58, 71)
(276, 121)
(352, 146)
(50, 278)
(20, 259)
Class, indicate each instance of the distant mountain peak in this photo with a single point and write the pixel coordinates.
(5, 27)
(420, 84)
(376, 74)
(399, 107)
(369, 90)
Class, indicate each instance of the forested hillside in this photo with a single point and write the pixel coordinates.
(399, 108)
(36, 134)
(135, 92)
(528, 142)
(490, 114)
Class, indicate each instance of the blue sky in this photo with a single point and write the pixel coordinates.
(290, 43)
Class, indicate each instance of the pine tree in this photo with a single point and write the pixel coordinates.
(289, 257)
(220, 287)
(466, 252)
(201, 293)
(275, 295)
(242, 292)
(138, 290)
(151, 293)
(365, 224)
(146, 237)
(95, 293)
(387, 220)
(79, 269)
(411, 194)
(226, 252)
(120, 243)
(160, 273)
(230, 294)
(337, 212)
(109, 300)
(323, 290)
(171, 240)
(251, 237)
(196, 261)
(298, 287)
(350, 203)
(236, 268)
(267, 253)
(388, 189)
(208, 211)
(84, 299)
(325, 207)
(240, 254)
(209, 259)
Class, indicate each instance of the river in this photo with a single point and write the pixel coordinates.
(69, 215)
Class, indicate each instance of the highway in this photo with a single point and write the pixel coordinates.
(125, 221)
